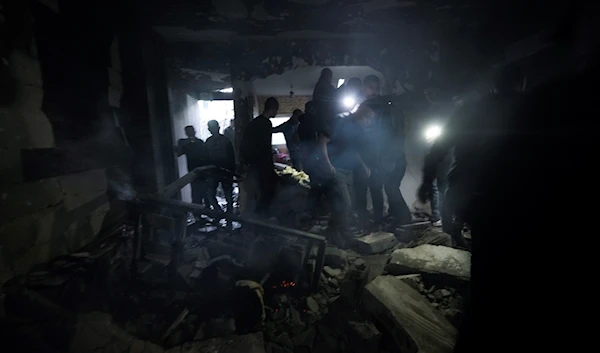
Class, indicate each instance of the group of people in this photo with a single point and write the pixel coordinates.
(218, 151)
(346, 152)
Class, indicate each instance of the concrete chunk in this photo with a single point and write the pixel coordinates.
(252, 343)
(433, 259)
(409, 316)
(376, 242)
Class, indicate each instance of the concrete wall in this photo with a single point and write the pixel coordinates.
(67, 143)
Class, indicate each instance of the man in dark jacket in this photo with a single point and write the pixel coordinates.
(257, 154)
(325, 95)
(290, 131)
(220, 154)
(195, 152)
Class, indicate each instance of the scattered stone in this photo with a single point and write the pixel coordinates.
(334, 283)
(413, 280)
(376, 243)
(432, 259)
(295, 315)
(445, 292)
(335, 257)
(360, 264)
(351, 286)
(362, 336)
(408, 316)
(306, 338)
(251, 343)
(332, 272)
(312, 305)
(375, 265)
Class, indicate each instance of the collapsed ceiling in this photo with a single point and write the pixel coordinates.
(413, 43)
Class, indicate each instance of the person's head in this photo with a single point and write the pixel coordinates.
(232, 123)
(296, 114)
(213, 127)
(371, 86)
(327, 75)
(364, 116)
(271, 107)
(190, 131)
(309, 107)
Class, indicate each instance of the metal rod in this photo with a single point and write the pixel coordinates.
(189, 207)
(178, 184)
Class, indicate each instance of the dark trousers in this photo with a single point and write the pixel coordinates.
(360, 187)
(199, 192)
(267, 185)
(398, 207)
(227, 185)
(337, 191)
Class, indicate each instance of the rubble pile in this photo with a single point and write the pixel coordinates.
(251, 293)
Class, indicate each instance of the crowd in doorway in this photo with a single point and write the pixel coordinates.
(349, 140)
(351, 145)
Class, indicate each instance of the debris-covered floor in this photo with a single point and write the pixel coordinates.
(244, 291)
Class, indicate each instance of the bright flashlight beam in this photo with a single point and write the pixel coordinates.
(349, 102)
(433, 132)
(226, 90)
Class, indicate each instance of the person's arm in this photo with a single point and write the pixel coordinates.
(280, 128)
(179, 148)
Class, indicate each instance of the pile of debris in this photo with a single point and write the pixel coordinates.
(242, 293)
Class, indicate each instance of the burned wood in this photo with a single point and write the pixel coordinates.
(178, 184)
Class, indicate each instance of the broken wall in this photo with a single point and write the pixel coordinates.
(65, 140)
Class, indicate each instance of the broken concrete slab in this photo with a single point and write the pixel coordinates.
(251, 343)
(409, 316)
(431, 259)
(376, 243)
(375, 265)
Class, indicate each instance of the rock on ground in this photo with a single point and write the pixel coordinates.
(408, 316)
(252, 343)
(376, 243)
(433, 259)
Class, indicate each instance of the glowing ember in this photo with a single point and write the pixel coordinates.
(285, 284)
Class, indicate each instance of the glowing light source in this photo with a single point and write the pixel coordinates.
(340, 82)
(433, 132)
(349, 102)
(226, 90)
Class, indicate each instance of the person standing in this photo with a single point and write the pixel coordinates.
(195, 152)
(256, 153)
(290, 131)
(220, 154)
(230, 131)
(387, 156)
(325, 95)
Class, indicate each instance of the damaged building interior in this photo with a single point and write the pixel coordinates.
(137, 213)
